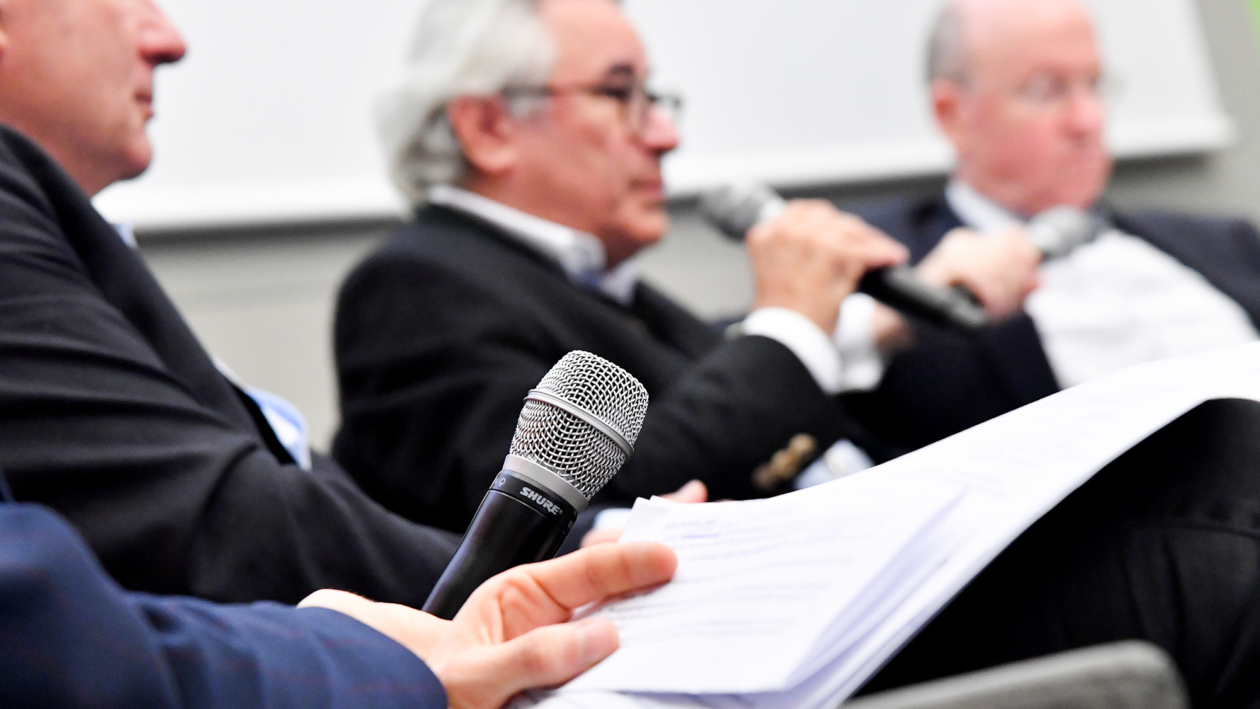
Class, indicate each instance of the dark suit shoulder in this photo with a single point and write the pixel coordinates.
(460, 242)
(445, 277)
(1165, 226)
(442, 249)
(1224, 250)
(21, 166)
(28, 220)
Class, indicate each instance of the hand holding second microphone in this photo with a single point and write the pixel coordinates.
(811, 256)
(999, 269)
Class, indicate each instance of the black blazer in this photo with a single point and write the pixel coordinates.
(112, 414)
(950, 382)
(442, 332)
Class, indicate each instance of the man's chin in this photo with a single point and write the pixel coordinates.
(132, 162)
(652, 230)
(631, 239)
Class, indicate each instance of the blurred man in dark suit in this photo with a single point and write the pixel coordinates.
(530, 145)
(1017, 87)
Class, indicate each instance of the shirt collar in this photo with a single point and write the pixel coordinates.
(977, 211)
(580, 255)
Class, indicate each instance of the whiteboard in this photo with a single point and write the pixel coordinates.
(269, 117)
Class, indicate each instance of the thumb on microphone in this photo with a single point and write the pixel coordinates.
(1000, 269)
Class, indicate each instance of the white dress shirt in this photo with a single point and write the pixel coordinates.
(583, 259)
(1115, 301)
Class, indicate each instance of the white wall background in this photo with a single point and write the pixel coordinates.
(269, 118)
(801, 92)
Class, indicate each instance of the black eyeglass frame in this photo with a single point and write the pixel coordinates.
(624, 94)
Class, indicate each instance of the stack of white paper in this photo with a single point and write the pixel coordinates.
(797, 576)
(796, 601)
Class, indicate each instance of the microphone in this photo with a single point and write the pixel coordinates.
(734, 209)
(574, 433)
(1058, 230)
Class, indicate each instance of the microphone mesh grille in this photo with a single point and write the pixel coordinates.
(736, 208)
(1059, 230)
(565, 444)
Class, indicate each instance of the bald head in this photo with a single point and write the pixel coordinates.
(965, 28)
(1014, 88)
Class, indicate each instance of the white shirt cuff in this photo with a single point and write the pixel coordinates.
(806, 340)
(861, 363)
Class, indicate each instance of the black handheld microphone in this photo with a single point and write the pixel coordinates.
(575, 431)
(735, 209)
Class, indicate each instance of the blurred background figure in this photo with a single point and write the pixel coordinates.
(251, 230)
(1018, 87)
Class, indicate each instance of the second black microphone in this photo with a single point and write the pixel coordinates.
(737, 208)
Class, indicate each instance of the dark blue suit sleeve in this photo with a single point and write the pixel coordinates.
(69, 637)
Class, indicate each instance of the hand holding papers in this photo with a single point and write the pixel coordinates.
(786, 606)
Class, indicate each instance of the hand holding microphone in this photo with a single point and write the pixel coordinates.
(739, 209)
(999, 271)
(811, 256)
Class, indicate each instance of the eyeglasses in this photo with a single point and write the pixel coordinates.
(637, 101)
(1050, 90)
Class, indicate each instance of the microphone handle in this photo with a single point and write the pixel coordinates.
(504, 533)
(899, 288)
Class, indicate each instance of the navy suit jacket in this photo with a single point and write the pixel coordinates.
(112, 414)
(950, 382)
(69, 637)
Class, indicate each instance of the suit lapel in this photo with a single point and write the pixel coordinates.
(928, 224)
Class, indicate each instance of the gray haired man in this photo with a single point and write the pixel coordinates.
(525, 135)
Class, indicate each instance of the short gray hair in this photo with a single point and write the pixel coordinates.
(460, 48)
(947, 46)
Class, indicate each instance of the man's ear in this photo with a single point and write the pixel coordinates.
(486, 131)
(4, 30)
(947, 106)
(5, 11)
